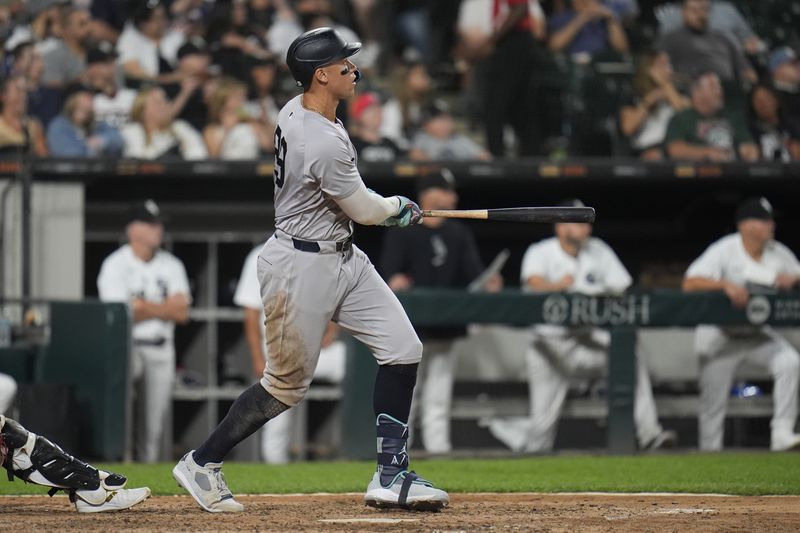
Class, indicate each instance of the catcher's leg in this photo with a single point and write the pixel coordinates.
(35, 459)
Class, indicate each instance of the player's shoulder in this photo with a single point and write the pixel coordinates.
(598, 245)
(724, 243)
(543, 248)
(168, 259)
(121, 256)
(781, 248)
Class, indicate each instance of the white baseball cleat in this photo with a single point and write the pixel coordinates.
(407, 491)
(115, 501)
(784, 442)
(206, 484)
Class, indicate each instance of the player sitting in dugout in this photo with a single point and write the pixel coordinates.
(34, 459)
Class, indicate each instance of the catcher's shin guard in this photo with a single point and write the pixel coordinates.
(34, 459)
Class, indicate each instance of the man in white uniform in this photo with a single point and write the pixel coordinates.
(154, 283)
(740, 264)
(310, 274)
(276, 434)
(573, 261)
(8, 389)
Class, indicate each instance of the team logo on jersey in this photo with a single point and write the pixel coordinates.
(758, 310)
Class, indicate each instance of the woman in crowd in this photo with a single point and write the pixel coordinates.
(231, 133)
(402, 113)
(644, 122)
(19, 132)
(152, 134)
(76, 133)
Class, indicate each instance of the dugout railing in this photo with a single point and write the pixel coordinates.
(621, 315)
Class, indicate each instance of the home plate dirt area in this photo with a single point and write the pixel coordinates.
(467, 512)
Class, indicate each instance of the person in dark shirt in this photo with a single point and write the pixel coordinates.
(367, 116)
(187, 95)
(437, 253)
(784, 67)
(709, 130)
(768, 127)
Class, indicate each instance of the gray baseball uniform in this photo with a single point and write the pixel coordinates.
(309, 271)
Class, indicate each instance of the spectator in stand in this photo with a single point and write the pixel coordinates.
(411, 88)
(769, 130)
(785, 69)
(112, 103)
(694, 47)
(65, 62)
(76, 133)
(234, 37)
(261, 104)
(153, 134)
(367, 114)
(588, 28)
(644, 121)
(43, 102)
(509, 50)
(44, 17)
(19, 132)
(708, 131)
(747, 262)
(439, 140)
(723, 17)
(231, 133)
(186, 95)
(306, 15)
(147, 47)
(108, 19)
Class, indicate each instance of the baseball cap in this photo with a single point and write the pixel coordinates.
(102, 53)
(779, 56)
(147, 212)
(757, 207)
(443, 179)
(361, 103)
(193, 47)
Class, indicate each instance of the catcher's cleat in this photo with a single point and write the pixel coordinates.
(115, 501)
(406, 491)
(206, 484)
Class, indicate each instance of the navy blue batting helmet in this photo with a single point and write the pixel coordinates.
(315, 49)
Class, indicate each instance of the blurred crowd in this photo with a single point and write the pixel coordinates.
(447, 79)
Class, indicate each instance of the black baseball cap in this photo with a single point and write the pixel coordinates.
(102, 53)
(443, 179)
(193, 47)
(147, 212)
(758, 208)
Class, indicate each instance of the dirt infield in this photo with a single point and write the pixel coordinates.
(468, 512)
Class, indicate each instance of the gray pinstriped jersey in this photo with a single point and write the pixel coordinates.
(315, 163)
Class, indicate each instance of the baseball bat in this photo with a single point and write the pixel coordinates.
(544, 215)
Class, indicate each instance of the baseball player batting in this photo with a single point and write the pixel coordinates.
(310, 273)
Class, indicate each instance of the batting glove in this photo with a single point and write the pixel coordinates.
(408, 214)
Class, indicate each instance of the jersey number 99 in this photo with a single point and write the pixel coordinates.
(280, 158)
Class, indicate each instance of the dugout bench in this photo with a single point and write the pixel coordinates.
(621, 315)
